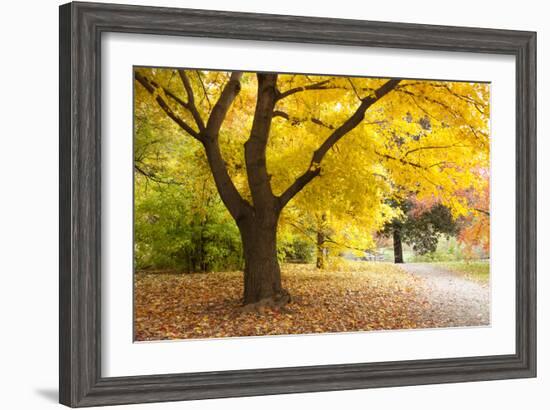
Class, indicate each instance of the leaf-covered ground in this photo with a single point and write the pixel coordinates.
(356, 297)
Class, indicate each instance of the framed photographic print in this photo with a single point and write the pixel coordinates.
(260, 204)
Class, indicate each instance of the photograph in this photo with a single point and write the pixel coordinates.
(274, 203)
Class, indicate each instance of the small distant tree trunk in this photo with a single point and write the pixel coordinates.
(321, 251)
(202, 254)
(397, 245)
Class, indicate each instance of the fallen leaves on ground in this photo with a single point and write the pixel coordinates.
(357, 297)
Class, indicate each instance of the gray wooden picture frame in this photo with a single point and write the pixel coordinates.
(81, 27)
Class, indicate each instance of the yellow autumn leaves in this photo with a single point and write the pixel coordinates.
(426, 138)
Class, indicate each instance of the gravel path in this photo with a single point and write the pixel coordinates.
(455, 301)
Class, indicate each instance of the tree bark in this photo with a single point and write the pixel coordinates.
(321, 250)
(397, 245)
(262, 273)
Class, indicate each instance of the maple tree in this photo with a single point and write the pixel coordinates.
(282, 149)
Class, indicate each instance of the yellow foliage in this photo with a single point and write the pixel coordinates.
(427, 138)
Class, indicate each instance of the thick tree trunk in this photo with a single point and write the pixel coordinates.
(397, 245)
(258, 226)
(262, 274)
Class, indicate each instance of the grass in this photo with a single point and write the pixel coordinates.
(474, 270)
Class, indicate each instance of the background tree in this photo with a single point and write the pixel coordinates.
(419, 227)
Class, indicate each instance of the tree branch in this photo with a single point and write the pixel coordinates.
(402, 160)
(153, 177)
(348, 125)
(328, 238)
(153, 89)
(191, 99)
(441, 163)
(482, 211)
(282, 114)
(432, 147)
(302, 231)
(479, 106)
(235, 203)
(204, 89)
(227, 96)
(255, 146)
(354, 89)
(343, 245)
(321, 85)
(229, 194)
